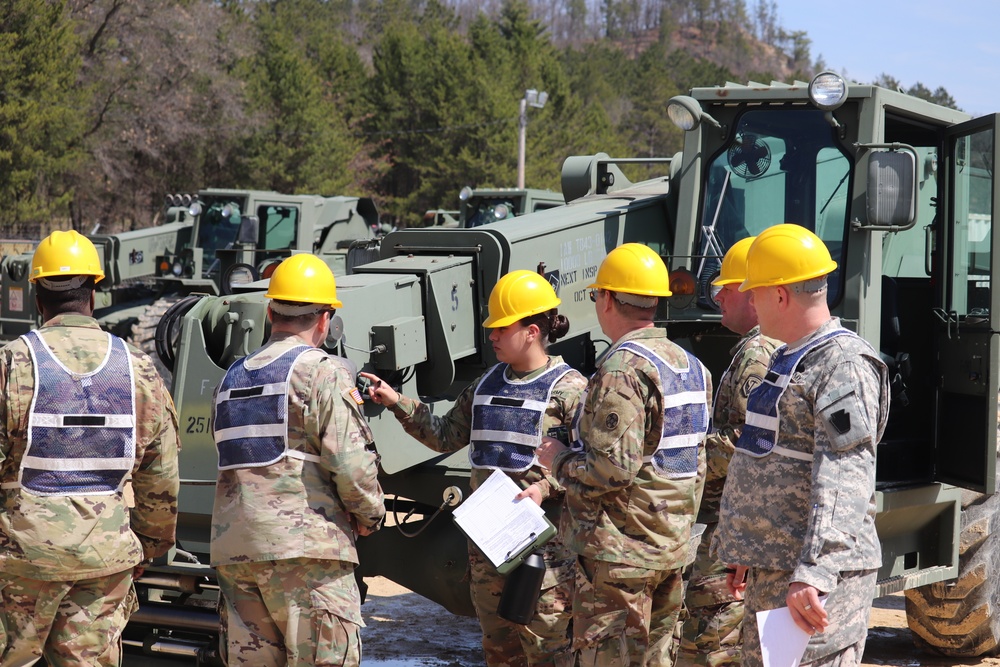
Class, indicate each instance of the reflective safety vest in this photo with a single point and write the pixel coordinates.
(81, 427)
(760, 432)
(250, 421)
(685, 414)
(507, 418)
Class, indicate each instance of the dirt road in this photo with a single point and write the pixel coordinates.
(405, 630)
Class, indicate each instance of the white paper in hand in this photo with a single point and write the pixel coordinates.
(499, 525)
(782, 643)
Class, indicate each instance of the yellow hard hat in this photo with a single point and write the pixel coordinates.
(734, 264)
(633, 268)
(786, 254)
(66, 254)
(304, 278)
(517, 295)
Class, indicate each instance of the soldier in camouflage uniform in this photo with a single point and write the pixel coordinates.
(711, 633)
(523, 320)
(84, 416)
(297, 484)
(634, 472)
(799, 502)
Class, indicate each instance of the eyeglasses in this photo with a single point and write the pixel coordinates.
(593, 295)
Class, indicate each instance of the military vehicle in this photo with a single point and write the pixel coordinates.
(148, 270)
(482, 206)
(900, 189)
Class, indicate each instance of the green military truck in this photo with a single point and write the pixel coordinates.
(482, 206)
(209, 242)
(902, 191)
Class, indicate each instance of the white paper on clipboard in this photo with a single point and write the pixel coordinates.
(499, 525)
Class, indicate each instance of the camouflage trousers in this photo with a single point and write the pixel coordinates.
(711, 633)
(71, 623)
(545, 642)
(299, 611)
(625, 615)
(711, 636)
(847, 608)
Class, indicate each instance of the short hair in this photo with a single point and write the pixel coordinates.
(633, 312)
(299, 321)
(57, 302)
(302, 321)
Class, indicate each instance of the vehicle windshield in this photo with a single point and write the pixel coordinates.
(481, 211)
(220, 220)
(782, 165)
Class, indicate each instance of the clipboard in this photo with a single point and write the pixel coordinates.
(503, 529)
(517, 557)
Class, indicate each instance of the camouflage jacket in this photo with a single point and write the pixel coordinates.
(450, 432)
(295, 508)
(751, 356)
(814, 513)
(618, 509)
(66, 538)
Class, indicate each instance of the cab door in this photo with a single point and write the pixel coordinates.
(968, 317)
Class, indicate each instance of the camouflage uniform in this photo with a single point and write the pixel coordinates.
(629, 523)
(711, 633)
(283, 540)
(66, 561)
(805, 512)
(544, 641)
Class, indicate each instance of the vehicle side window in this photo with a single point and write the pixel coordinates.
(278, 226)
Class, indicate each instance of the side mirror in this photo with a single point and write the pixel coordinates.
(891, 190)
(248, 233)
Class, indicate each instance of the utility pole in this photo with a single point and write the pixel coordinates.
(535, 99)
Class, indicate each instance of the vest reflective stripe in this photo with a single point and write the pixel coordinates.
(81, 427)
(685, 413)
(507, 418)
(251, 413)
(761, 429)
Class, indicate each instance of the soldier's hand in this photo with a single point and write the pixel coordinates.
(139, 570)
(736, 580)
(380, 391)
(364, 531)
(547, 451)
(532, 492)
(807, 612)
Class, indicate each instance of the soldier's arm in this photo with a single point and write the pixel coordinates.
(562, 409)
(348, 451)
(447, 433)
(4, 394)
(730, 415)
(613, 428)
(847, 418)
(155, 480)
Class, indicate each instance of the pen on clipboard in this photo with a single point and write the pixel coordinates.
(531, 536)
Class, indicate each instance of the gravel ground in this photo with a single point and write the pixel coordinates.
(405, 630)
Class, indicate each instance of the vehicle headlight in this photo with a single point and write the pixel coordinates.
(178, 268)
(237, 276)
(828, 90)
(501, 211)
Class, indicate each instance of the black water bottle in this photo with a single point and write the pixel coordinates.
(521, 590)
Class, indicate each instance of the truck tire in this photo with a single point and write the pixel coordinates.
(144, 332)
(961, 618)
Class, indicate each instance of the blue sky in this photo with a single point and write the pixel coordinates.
(951, 43)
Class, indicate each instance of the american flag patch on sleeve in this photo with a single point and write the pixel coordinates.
(356, 395)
